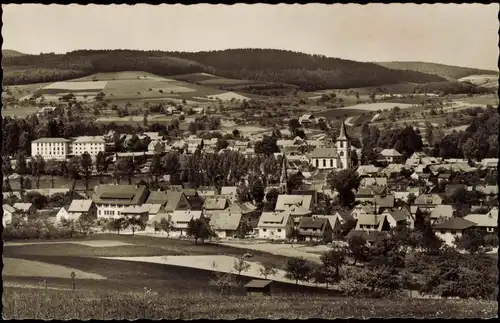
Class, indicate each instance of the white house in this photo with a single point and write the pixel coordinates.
(396, 217)
(274, 225)
(92, 145)
(452, 228)
(391, 156)
(180, 221)
(8, 212)
(224, 224)
(111, 199)
(63, 214)
(488, 222)
(51, 148)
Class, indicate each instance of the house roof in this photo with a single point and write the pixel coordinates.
(333, 219)
(169, 199)
(324, 152)
(426, 199)
(80, 206)
(483, 220)
(286, 201)
(390, 153)
(208, 189)
(493, 212)
(120, 194)
(135, 210)
(487, 189)
(9, 208)
(274, 219)
(215, 203)
(367, 169)
(384, 201)
(153, 208)
(89, 139)
(158, 218)
(185, 215)
(313, 223)
(228, 190)
(376, 181)
(220, 221)
(51, 140)
(455, 224)
(397, 215)
(258, 283)
(370, 219)
(23, 206)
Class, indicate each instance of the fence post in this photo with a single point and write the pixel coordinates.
(73, 275)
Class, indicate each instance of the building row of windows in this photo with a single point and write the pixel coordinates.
(265, 230)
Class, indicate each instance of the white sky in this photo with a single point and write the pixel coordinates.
(455, 34)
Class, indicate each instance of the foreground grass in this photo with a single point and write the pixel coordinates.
(39, 304)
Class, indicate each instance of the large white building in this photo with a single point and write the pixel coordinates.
(90, 144)
(111, 200)
(51, 148)
(338, 157)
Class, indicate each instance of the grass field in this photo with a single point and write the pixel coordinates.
(38, 304)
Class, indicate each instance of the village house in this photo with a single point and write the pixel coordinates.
(154, 209)
(180, 221)
(396, 217)
(427, 202)
(487, 222)
(170, 201)
(8, 212)
(214, 203)
(274, 225)
(452, 228)
(225, 225)
(157, 147)
(140, 212)
(372, 222)
(391, 156)
(367, 170)
(315, 229)
(306, 119)
(26, 209)
(111, 199)
(249, 212)
(205, 191)
(373, 181)
(336, 223)
(230, 192)
(77, 209)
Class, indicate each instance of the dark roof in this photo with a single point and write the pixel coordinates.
(386, 201)
(455, 224)
(120, 194)
(312, 223)
(168, 199)
(258, 283)
(398, 215)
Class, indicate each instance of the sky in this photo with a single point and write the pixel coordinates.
(454, 34)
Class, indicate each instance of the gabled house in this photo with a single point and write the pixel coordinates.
(391, 156)
(274, 225)
(383, 202)
(79, 208)
(396, 217)
(180, 221)
(230, 192)
(225, 225)
(336, 223)
(314, 228)
(63, 214)
(26, 209)
(367, 170)
(373, 181)
(487, 190)
(169, 200)
(306, 119)
(141, 212)
(487, 222)
(157, 147)
(154, 209)
(205, 191)
(8, 212)
(451, 228)
(213, 204)
(285, 202)
(111, 199)
(372, 222)
(427, 202)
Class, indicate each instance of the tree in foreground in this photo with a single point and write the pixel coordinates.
(299, 269)
(222, 280)
(241, 265)
(358, 249)
(268, 269)
(332, 261)
(199, 229)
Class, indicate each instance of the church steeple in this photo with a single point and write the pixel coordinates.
(284, 176)
(343, 132)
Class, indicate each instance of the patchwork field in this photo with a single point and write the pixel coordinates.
(482, 80)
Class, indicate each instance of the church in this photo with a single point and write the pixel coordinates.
(338, 157)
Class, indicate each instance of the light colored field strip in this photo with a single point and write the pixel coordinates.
(29, 268)
(224, 264)
(376, 106)
(89, 85)
(348, 121)
(375, 117)
(88, 243)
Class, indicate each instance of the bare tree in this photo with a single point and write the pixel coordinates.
(268, 269)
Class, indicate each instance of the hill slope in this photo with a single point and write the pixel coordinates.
(11, 53)
(309, 72)
(449, 72)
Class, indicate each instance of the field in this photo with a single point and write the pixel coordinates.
(482, 80)
(21, 303)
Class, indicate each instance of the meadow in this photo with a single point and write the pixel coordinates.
(59, 304)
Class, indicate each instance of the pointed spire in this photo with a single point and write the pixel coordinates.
(284, 175)
(343, 132)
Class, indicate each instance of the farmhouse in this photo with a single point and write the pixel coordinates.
(214, 203)
(76, 209)
(372, 222)
(487, 222)
(306, 119)
(230, 192)
(169, 200)
(274, 225)
(336, 221)
(391, 156)
(8, 212)
(315, 229)
(111, 199)
(225, 225)
(51, 148)
(286, 202)
(396, 217)
(26, 209)
(92, 145)
(180, 221)
(136, 212)
(451, 228)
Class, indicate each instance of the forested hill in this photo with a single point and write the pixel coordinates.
(11, 53)
(310, 72)
(449, 72)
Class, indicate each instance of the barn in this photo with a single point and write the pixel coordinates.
(258, 287)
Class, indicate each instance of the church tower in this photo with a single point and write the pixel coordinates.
(343, 145)
(284, 177)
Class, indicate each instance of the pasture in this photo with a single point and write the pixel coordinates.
(376, 106)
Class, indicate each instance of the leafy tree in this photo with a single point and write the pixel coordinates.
(198, 229)
(271, 199)
(298, 269)
(241, 265)
(344, 182)
(126, 166)
(267, 146)
(101, 164)
(21, 167)
(86, 163)
(221, 144)
(243, 229)
(473, 241)
(358, 249)
(268, 269)
(38, 168)
(134, 223)
(74, 169)
(333, 259)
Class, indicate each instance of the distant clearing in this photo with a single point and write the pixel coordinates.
(30, 268)
(228, 96)
(376, 106)
(78, 86)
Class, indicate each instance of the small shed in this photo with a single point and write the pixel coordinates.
(258, 287)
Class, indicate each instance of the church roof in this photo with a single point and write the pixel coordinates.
(343, 132)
